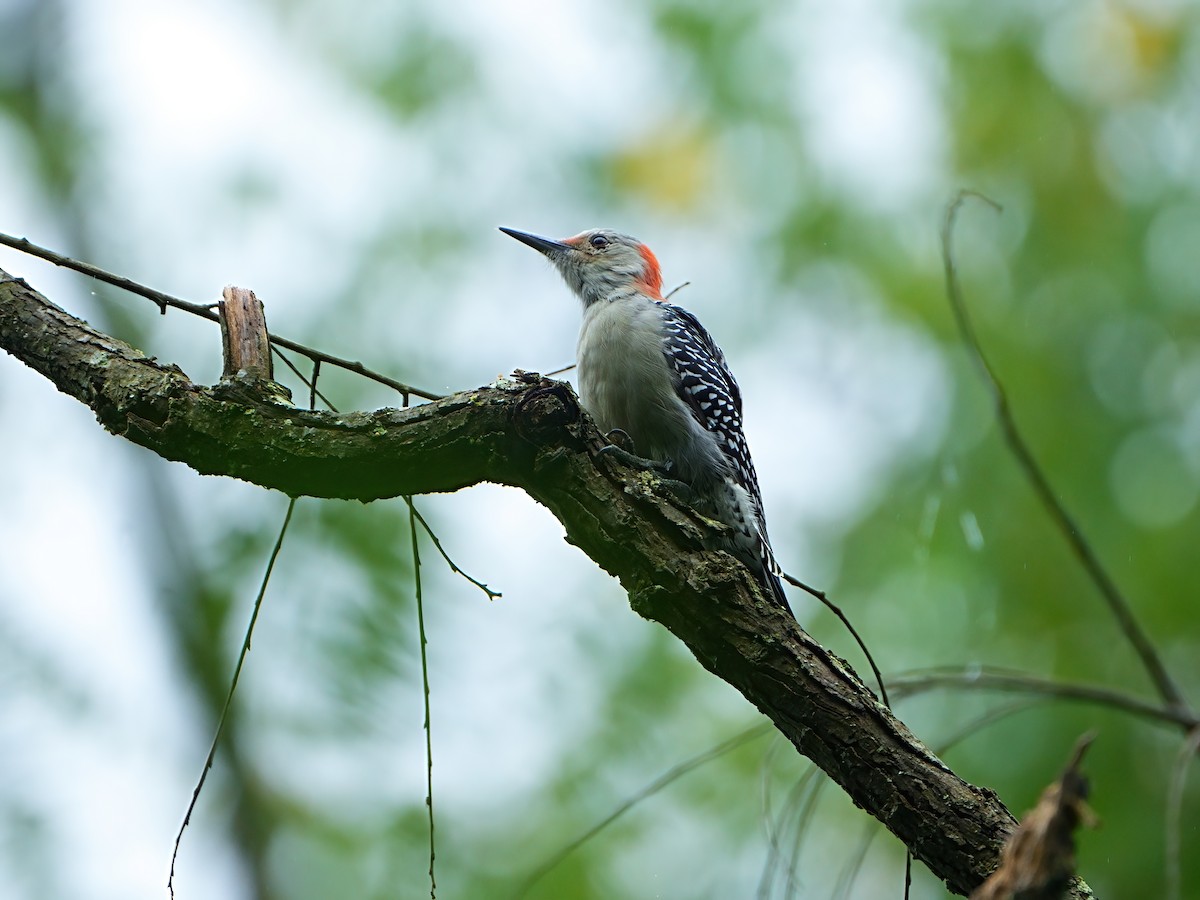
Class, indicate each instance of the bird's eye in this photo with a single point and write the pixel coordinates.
(598, 241)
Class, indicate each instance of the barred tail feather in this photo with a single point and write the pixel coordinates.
(775, 591)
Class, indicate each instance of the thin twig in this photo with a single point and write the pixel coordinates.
(1117, 603)
(974, 679)
(205, 311)
(796, 807)
(851, 870)
(560, 371)
(491, 595)
(765, 815)
(212, 751)
(313, 393)
(1175, 791)
(671, 775)
(973, 727)
(412, 524)
(673, 291)
(836, 610)
(312, 388)
(804, 819)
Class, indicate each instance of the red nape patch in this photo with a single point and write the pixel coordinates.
(651, 280)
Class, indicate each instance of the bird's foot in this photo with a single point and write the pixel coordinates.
(619, 437)
(621, 449)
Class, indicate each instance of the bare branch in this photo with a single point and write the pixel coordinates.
(437, 543)
(663, 781)
(1179, 773)
(845, 620)
(205, 311)
(1019, 683)
(529, 432)
(1066, 524)
(237, 672)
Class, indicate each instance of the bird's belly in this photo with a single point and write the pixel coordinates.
(624, 381)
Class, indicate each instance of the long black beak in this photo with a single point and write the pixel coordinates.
(541, 244)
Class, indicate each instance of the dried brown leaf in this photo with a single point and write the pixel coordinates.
(1038, 861)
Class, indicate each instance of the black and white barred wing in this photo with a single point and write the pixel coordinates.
(705, 384)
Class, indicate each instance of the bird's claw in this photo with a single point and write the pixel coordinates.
(634, 461)
(621, 448)
(664, 469)
(619, 437)
(525, 377)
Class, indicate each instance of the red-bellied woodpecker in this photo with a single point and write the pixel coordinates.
(649, 369)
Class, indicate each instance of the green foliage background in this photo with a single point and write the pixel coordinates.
(1079, 118)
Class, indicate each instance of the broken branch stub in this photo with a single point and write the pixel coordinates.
(245, 342)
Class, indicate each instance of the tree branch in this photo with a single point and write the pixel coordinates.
(528, 432)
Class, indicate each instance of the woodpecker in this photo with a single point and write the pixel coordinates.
(649, 370)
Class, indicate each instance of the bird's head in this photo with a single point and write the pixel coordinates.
(600, 263)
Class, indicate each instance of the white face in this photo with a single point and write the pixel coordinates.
(602, 262)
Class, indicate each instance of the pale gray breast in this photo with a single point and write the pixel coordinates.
(625, 382)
